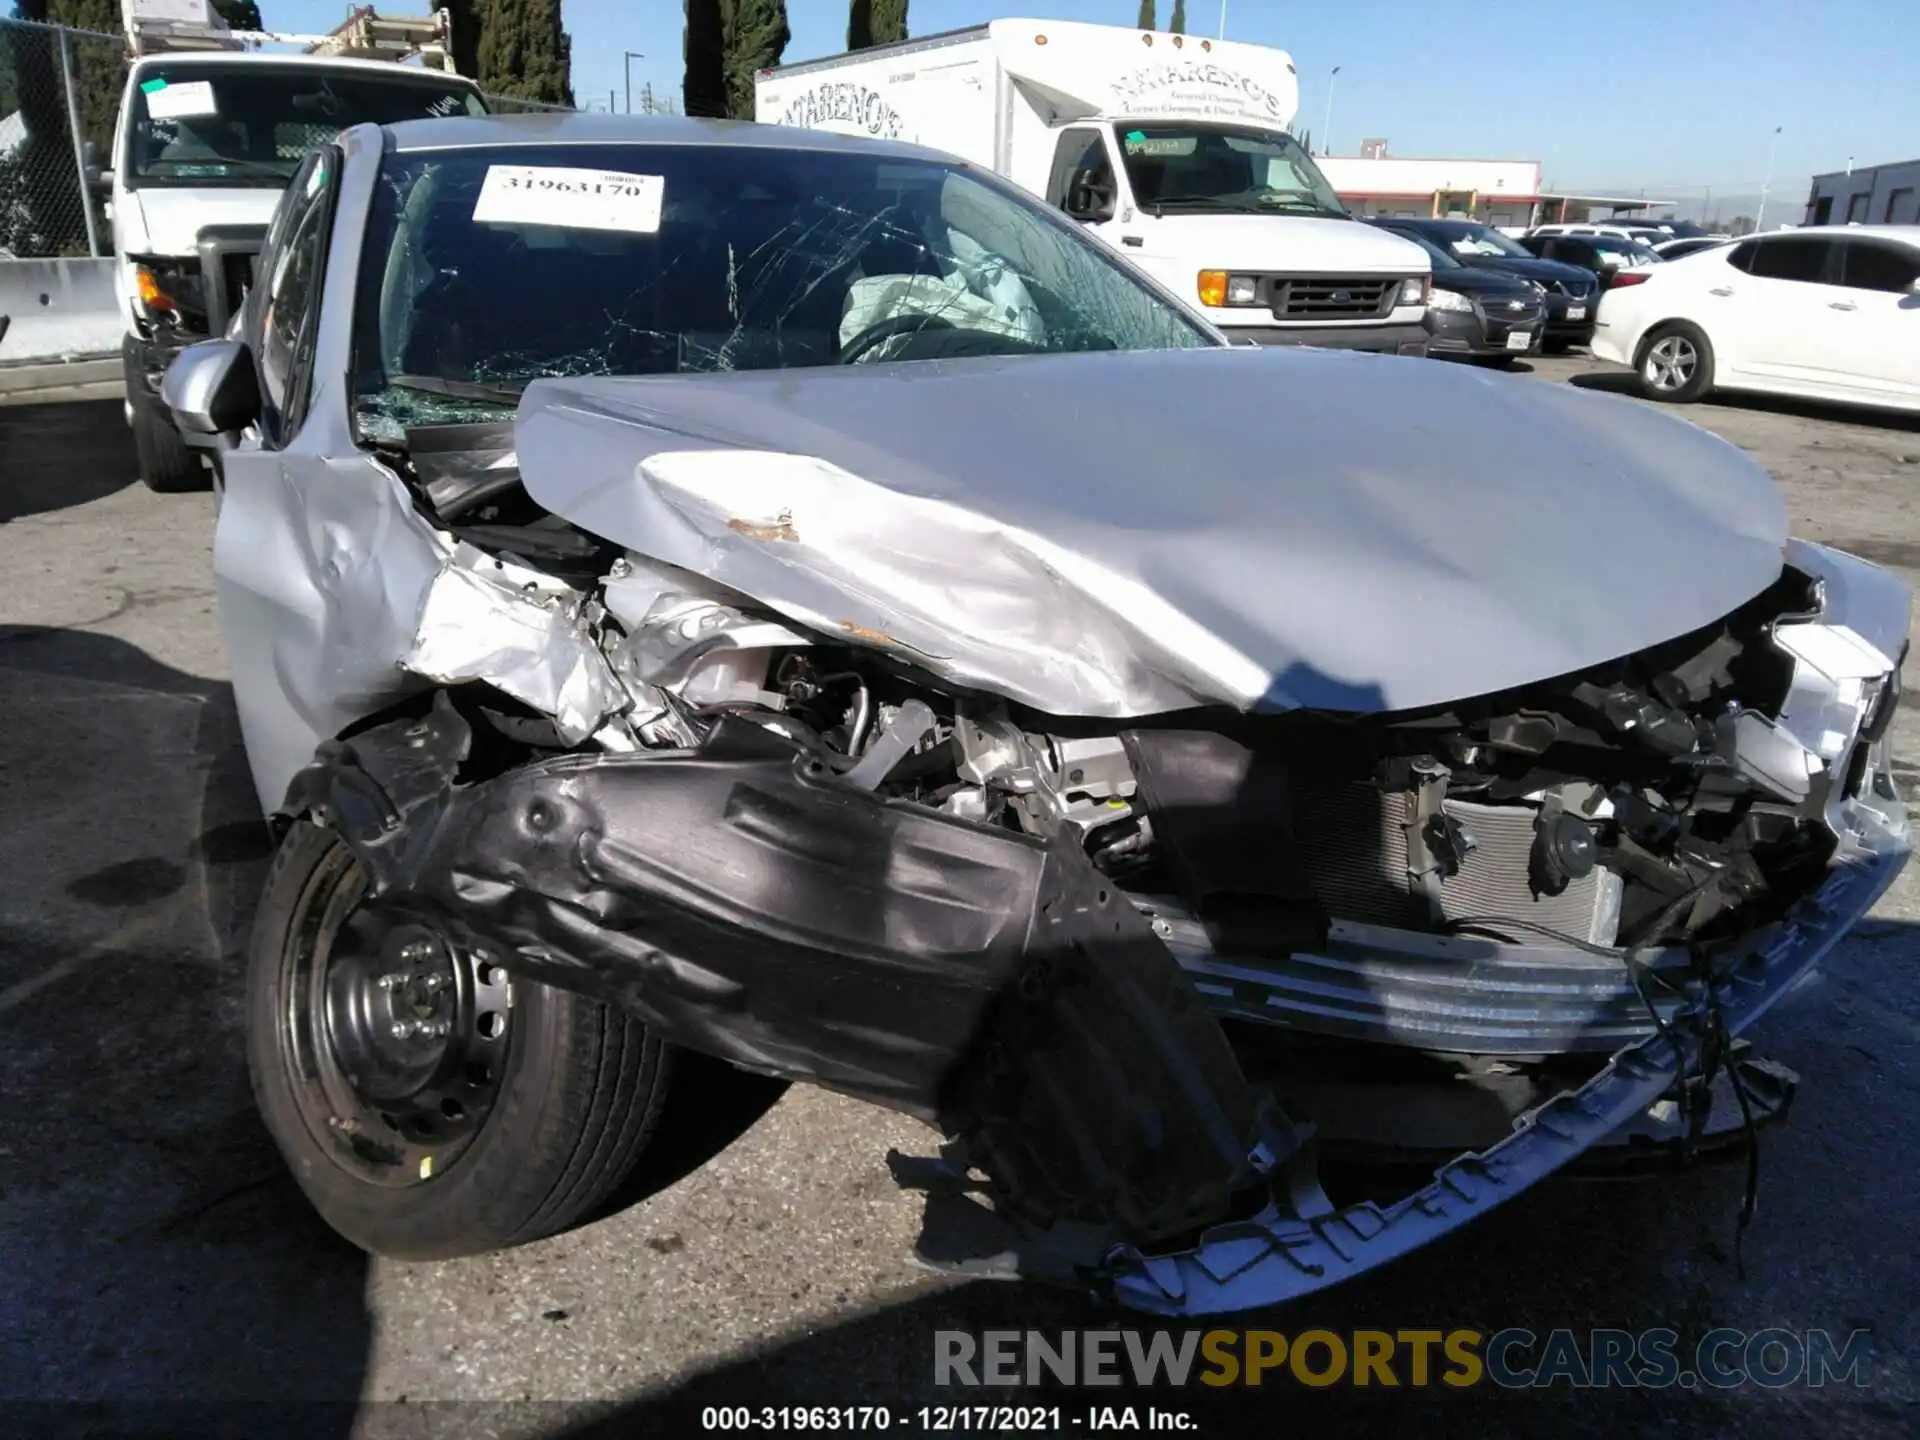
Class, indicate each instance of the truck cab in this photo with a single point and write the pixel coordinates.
(1174, 149)
(1237, 219)
(209, 133)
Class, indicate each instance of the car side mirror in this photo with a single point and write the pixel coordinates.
(1090, 202)
(212, 392)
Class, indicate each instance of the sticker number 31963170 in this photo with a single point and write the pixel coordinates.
(570, 199)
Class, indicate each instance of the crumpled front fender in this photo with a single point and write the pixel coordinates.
(747, 901)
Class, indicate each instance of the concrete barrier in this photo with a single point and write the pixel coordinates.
(57, 310)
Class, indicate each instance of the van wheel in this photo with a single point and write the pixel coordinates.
(429, 1104)
(166, 465)
(1675, 363)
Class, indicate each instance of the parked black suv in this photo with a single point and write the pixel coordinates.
(1572, 293)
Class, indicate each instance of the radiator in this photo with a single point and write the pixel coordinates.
(1355, 847)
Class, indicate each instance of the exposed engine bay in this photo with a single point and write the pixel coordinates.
(1136, 972)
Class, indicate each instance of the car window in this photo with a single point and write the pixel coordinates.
(289, 293)
(1878, 265)
(1801, 258)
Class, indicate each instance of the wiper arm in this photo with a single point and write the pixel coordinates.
(459, 389)
(1308, 207)
(1215, 202)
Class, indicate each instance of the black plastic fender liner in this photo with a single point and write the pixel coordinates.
(746, 902)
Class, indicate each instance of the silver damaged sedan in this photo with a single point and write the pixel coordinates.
(798, 599)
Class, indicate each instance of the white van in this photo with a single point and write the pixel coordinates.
(210, 131)
(1172, 148)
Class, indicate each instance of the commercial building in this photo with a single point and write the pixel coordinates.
(1875, 195)
(1505, 193)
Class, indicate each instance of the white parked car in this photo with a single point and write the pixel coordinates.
(1827, 312)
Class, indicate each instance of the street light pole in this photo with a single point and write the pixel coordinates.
(627, 68)
(1760, 218)
(1326, 126)
(1223, 19)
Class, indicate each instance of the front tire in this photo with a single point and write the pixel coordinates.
(166, 465)
(1675, 363)
(427, 1103)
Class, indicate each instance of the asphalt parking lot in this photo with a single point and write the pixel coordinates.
(151, 1248)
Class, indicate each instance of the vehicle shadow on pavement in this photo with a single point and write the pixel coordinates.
(56, 456)
(154, 1252)
(1625, 382)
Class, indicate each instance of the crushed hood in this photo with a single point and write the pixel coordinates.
(1127, 534)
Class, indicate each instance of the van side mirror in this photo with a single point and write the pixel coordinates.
(1090, 202)
(99, 179)
(212, 392)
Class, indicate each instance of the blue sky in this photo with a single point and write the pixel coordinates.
(1672, 95)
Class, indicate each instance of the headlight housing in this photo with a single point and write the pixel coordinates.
(1415, 291)
(1449, 300)
(1221, 288)
(169, 288)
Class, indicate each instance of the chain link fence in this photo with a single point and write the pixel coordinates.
(59, 93)
(517, 105)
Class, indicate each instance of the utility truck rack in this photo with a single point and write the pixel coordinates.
(155, 27)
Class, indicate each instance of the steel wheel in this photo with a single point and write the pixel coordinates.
(395, 1040)
(1670, 365)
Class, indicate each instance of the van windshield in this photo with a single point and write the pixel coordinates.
(1195, 165)
(199, 124)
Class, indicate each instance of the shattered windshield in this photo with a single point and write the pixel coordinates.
(484, 269)
(198, 124)
(1198, 166)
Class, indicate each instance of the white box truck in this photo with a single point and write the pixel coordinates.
(1172, 148)
(212, 125)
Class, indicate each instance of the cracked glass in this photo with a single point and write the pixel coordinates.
(762, 258)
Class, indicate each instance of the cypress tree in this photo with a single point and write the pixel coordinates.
(464, 16)
(239, 14)
(704, 90)
(889, 21)
(878, 22)
(1179, 23)
(756, 37)
(524, 52)
(99, 67)
(1146, 20)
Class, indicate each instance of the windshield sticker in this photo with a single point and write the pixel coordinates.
(1138, 144)
(182, 102)
(147, 87)
(570, 199)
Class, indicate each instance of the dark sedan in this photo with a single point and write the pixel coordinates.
(1572, 293)
(1480, 313)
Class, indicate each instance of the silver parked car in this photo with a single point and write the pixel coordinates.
(797, 599)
